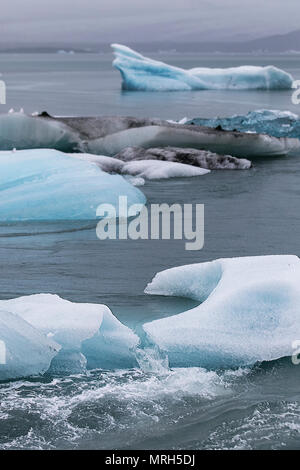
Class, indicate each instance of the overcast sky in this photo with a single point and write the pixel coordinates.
(101, 21)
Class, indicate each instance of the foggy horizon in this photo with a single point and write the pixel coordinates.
(93, 22)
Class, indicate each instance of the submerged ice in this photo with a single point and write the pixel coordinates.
(50, 185)
(249, 311)
(144, 74)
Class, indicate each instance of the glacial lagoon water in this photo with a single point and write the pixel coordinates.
(252, 212)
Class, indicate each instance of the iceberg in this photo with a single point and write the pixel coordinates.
(89, 334)
(237, 144)
(50, 185)
(265, 121)
(249, 311)
(24, 350)
(140, 73)
(198, 158)
(109, 135)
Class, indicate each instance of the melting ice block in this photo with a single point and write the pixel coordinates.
(266, 121)
(50, 185)
(86, 332)
(250, 311)
(144, 74)
(158, 169)
(24, 351)
(148, 169)
(164, 134)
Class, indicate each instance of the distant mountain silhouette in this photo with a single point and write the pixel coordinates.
(272, 44)
(276, 43)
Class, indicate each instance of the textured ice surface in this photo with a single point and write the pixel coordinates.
(198, 158)
(250, 311)
(84, 331)
(144, 74)
(24, 350)
(148, 169)
(238, 144)
(272, 122)
(50, 185)
(109, 135)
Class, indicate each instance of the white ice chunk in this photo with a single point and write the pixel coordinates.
(144, 74)
(250, 311)
(158, 169)
(50, 185)
(89, 329)
(148, 169)
(24, 350)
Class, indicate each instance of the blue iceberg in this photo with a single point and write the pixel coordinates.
(89, 335)
(263, 121)
(143, 74)
(249, 311)
(24, 350)
(50, 185)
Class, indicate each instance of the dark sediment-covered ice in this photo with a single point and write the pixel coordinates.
(109, 135)
(199, 158)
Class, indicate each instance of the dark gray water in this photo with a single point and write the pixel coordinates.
(86, 84)
(254, 212)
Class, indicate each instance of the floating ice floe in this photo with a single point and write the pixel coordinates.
(155, 169)
(24, 350)
(272, 122)
(148, 169)
(89, 335)
(198, 158)
(143, 74)
(50, 185)
(250, 311)
(164, 134)
(110, 135)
